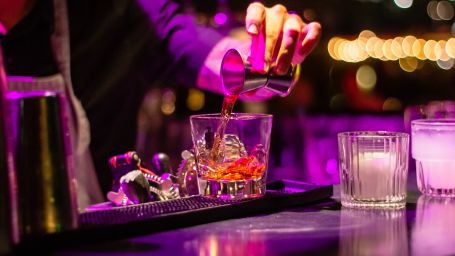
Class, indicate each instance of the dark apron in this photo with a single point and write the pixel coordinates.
(88, 188)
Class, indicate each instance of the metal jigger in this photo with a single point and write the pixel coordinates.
(238, 77)
(46, 185)
(9, 234)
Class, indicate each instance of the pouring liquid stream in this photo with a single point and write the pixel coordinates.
(226, 111)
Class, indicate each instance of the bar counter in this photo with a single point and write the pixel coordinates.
(306, 152)
(425, 227)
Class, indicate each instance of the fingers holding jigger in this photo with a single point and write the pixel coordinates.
(279, 38)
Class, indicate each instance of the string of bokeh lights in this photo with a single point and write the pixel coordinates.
(407, 50)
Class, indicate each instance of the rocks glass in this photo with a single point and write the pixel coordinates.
(373, 168)
(231, 153)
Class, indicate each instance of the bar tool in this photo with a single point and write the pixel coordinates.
(187, 175)
(135, 184)
(161, 163)
(121, 165)
(238, 77)
(136, 187)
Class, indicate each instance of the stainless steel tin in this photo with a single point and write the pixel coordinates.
(46, 184)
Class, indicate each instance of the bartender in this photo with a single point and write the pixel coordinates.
(105, 55)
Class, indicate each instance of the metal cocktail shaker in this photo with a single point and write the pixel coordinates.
(8, 208)
(45, 180)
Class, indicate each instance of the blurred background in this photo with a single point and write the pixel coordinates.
(379, 64)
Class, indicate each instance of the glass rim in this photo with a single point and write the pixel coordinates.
(434, 122)
(373, 134)
(241, 116)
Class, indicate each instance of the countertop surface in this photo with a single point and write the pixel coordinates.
(425, 227)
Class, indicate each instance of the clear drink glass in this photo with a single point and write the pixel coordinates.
(433, 148)
(231, 153)
(373, 168)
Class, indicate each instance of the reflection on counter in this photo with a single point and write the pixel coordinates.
(435, 217)
(373, 232)
(234, 244)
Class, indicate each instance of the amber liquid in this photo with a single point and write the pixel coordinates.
(226, 111)
(245, 168)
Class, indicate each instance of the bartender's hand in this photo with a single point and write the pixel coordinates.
(278, 38)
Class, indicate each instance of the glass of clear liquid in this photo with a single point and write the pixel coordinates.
(433, 148)
(373, 168)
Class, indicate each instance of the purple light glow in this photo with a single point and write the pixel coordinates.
(220, 18)
(331, 166)
(308, 147)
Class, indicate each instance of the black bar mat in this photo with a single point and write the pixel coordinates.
(280, 194)
(104, 223)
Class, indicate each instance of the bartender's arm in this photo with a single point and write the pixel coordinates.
(278, 39)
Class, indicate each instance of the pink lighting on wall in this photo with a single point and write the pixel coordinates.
(220, 18)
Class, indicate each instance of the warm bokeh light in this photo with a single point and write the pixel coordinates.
(408, 64)
(366, 78)
(347, 55)
(344, 54)
(397, 49)
(168, 102)
(336, 48)
(406, 45)
(356, 51)
(392, 104)
(369, 47)
(432, 50)
(417, 49)
(444, 56)
(331, 48)
(366, 34)
(367, 44)
(195, 100)
(341, 50)
(387, 50)
(450, 47)
(361, 45)
(378, 49)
